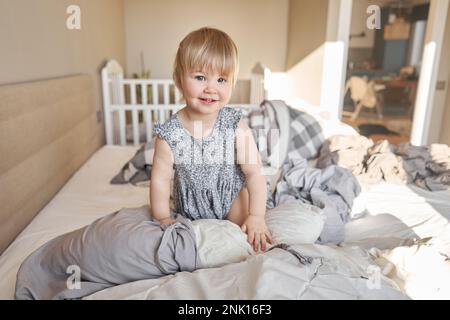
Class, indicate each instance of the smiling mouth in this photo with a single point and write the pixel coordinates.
(208, 101)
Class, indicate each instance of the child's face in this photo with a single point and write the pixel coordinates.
(206, 92)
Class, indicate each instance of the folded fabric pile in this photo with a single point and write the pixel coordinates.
(427, 167)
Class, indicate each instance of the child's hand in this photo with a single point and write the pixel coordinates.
(167, 221)
(257, 233)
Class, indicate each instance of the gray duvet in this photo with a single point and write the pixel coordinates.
(121, 247)
(332, 189)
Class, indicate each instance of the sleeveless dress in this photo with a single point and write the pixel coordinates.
(206, 176)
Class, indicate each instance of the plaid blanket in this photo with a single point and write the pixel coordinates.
(283, 133)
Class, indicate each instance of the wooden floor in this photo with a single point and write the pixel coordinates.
(400, 124)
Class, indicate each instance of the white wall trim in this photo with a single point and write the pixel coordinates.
(335, 57)
(429, 72)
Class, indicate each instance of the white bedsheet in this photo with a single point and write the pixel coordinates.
(277, 274)
(395, 211)
(87, 196)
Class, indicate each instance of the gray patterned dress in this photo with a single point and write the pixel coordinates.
(206, 176)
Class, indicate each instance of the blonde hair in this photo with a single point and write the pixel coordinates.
(206, 49)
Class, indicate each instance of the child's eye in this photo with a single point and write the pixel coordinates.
(222, 80)
(200, 78)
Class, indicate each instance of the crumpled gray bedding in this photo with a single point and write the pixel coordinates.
(426, 166)
(293, 272)
(121, 247)
(137, 170)
(300, 139)
(332, 189)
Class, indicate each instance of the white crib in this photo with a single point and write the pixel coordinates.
(150, 101)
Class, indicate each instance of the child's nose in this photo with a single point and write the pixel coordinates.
(210, 87)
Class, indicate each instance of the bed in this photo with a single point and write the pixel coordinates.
(88, 191)
(381, 258)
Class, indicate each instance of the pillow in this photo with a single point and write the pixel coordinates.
(137, 169)
(295, 222)
(221, 242)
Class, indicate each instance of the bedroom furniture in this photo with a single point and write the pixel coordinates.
(364, 93)
(55, 178)
(407, 88)
(166, 100)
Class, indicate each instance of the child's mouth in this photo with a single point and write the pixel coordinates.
(207, 101)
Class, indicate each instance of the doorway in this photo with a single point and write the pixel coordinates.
(383, 69)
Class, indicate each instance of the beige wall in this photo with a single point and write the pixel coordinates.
(155, 27)
(35, 43)
(307, 29)
(306, 37)
(305, 79)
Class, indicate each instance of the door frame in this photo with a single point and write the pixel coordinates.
(336, 58)
(426, 90)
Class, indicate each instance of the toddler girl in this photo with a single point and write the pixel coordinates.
(207, 148)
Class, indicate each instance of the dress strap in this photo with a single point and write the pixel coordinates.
(169, 131)
(231, 117)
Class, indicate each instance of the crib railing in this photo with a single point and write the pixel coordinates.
(147, 101)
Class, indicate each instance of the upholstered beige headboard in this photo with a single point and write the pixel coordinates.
(48, 129)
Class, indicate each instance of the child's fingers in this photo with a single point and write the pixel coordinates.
(269, 237)
(244, 228)
(257, 242)
(263, 242)
(251, 237)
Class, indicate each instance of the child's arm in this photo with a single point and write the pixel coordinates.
(161, 175)
(249, 159)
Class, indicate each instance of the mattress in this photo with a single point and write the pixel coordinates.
(401, 211)
(392, 213)
(89, 192)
